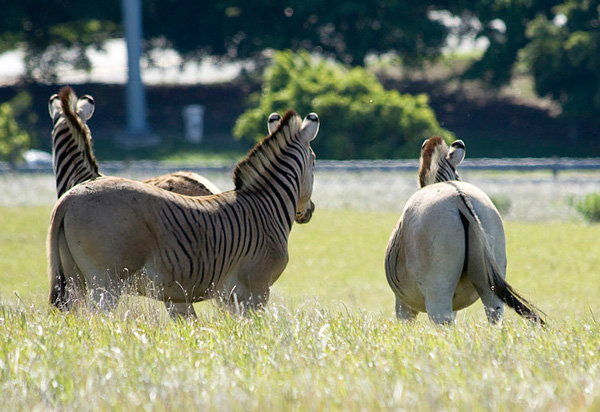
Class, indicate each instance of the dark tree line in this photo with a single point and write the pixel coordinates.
(558, 40)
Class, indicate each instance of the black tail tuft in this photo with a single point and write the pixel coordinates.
(514, 300)
(58, 292)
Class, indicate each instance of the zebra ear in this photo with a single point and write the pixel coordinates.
(456, 154)
(273, 122)
(53, 105)
(310, 128)
(85, 107)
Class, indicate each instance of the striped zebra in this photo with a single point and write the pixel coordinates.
(73, 156)
(112, 232)
(448, 248)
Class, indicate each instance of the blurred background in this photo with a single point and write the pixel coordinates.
(189, 84)
(515, 78)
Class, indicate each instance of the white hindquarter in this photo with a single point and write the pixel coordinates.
(432, 263)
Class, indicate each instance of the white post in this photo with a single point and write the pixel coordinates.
(193, 117)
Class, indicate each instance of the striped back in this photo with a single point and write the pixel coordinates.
(438, 162)
(72, 154)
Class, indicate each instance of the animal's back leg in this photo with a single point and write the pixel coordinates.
(494, 307)
(75, 292)
(443, 268)
(438, 303)
(477, 272)
(404, 312)
(103, 287)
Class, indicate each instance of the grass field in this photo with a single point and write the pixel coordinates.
(328, 340)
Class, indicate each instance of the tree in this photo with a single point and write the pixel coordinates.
(359, 119)
(56, 32)
(13, 140)
(563, 56)
(504, 24)
(347, 30)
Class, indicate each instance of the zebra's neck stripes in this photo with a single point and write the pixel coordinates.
(73, 157)
(275, 166)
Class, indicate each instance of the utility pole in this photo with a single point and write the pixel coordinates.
(137, 133)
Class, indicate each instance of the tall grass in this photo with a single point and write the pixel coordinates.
(327, 341)
(22, 250)
(307, 358)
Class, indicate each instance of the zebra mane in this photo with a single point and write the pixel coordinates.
(79, 130)
(263, 153)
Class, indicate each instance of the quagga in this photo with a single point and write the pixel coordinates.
(182, 249)
(73, 156)
(448, 248)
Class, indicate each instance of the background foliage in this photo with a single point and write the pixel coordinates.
(360, 119)
(553, 38)
(555, 42)
(14, 141)
(563, 57)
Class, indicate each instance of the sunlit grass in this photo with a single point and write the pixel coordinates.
(23, 251)
(307, 358)
(327, 341)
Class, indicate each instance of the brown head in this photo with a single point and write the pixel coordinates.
(438, 162)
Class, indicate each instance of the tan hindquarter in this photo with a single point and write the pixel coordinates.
(100, 233)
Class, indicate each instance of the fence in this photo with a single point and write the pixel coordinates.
(554, 165)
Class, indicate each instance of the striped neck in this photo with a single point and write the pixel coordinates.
(274, 168)
(73, 157)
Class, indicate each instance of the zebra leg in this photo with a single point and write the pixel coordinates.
(494, 307)
(180, 310)
(405, 313)
(438, 303)
(74, 293)
(258, 301)
(104, 290)
(477, 272)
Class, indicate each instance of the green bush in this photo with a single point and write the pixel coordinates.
(359, 118)
(13, 140)
(589, 207)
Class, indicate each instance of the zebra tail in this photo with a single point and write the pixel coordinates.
(58, 282)
(509, 295)
(499, 286)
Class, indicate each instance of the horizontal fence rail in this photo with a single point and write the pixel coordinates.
(554, 165)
